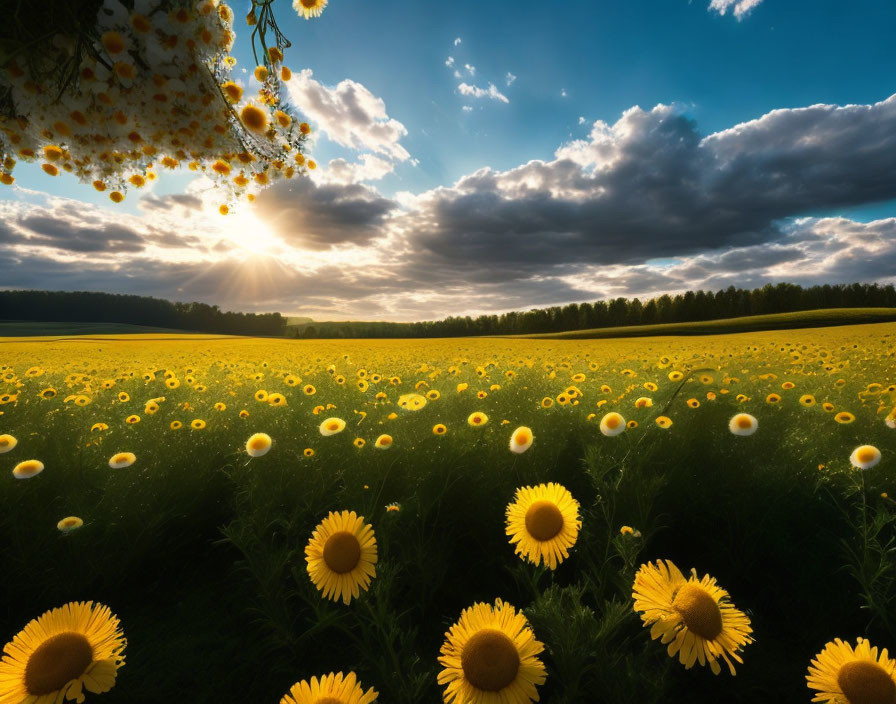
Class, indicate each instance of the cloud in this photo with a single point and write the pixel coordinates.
(322, 216)
(509, 78)
(449, 61)
(349, 114)
(467, 108)
(457, 41)
(582, 120)
(563, 93)
(650, 185)
(470, 69)
(740, 8)
(368, 168)
(642, 206)
(477, 92)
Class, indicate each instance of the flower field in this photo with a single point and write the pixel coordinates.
(470, 520)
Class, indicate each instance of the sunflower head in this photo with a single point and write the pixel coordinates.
(841, 673)
(59, 654)
(341, 556)
(543, 522)
(693, 616)
(490, 655)
(329, 689)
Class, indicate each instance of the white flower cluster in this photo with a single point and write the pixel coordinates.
(152, 91)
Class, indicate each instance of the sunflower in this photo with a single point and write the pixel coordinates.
(27, 469)
(844, 417)
(132, 419)
(383, 442)
(122, 459)
(309, 8)
(843, 675)
(309, 390)
(71, 648)
(773, 398)
(197, 424)
(439, 429)
(521, 439)
(664, 422)
(258, 444)
(341, 556)
(807, 400)
(489, 656)
(743, 424)
(359, 442)
(694, 616)
(693, 403)
(544, 523)
(612, 424)
(308, 452)
(330, 689)
(331, 426)
(865, 457)
(477, 419)
(69, 523)
(176, 425)
(7, 443)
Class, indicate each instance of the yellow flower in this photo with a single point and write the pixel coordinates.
(693, 616)
(664, 422)
(383, 442)
(308, 452)
(341, 556)
(69, 523)
(612, 424)
(27, 469)
(743, 424)
(864, 457)
(439, 429)
(844, 417)
(521, 439)
(122, 459)
(197, 424)
(7, 442)
(254, 118)
(258, 444)
(330, 689)
(489, 656)
(843, 675)
(543, 522)
(62, 652)
(477, 419)
(331, 426)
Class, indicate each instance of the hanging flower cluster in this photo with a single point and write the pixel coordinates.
(146, 89)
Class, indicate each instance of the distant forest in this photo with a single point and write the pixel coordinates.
(682, 308)
(89, 307)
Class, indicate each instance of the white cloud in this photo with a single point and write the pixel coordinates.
(449, 62)
(509, 78)
(457, 74)
(369, 168)
(477, 92)
(467, 108)
(349, 114)
(457, 41)
(470, 69)
(740, 8)
(581, 120)
(563, 93)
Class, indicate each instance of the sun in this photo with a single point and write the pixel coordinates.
(249, 235)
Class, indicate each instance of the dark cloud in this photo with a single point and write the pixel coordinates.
(170, 202)
(58, 232)
(320, 216)
(651, 186)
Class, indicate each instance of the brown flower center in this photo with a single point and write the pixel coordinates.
(699, 611)
(744, 423)
(57, 661)
(309, 4)
(490, 660)
(342, 552)
(329, 700)
(866, 682)
(544, 520)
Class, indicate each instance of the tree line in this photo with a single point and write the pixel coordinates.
(688, 307)
(91, 307)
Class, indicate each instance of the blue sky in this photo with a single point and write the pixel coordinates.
(436, 197)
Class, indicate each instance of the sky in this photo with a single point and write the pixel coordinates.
(484, 157)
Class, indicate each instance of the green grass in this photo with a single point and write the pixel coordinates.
(200, 549)
(752, 323)
(20, 328)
